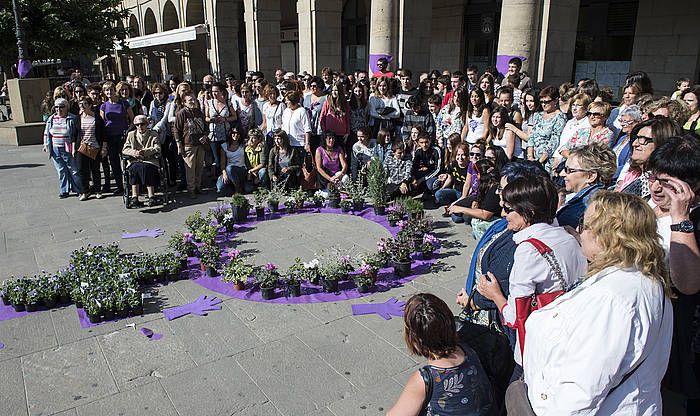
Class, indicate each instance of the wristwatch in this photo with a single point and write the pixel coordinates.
(685, 226)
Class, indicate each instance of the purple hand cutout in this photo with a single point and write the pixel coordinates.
(198, 307)
(385, 310)
(2, 345)
(155, 233)
(150, 334)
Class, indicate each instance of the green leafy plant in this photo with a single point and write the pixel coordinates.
(399, 248)
(356, 191)
(298, 197)
(260, 197)
(376, 183)
(267, 275)
(182, 243)
(346, 203)
(206, 234)
(195, 221)
(333, 191)
(413, 206)
(209, 254)
(239, 201)
(238, 270)
(219, 212)
(277, 192)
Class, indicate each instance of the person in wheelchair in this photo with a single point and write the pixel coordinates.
(143, 149)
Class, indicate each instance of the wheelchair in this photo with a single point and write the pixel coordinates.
(162, 193)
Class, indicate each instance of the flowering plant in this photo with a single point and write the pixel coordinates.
(366, 275)
(238, 270)
(430, 244)
(346, 203)
(394, 213)
(336, 268)
(206, 234)
(318, 198)
(219, 212)
(227, 221)
(312, 270)
(196, 221)
(209, 254)
(267, 275)
(400, 248)
(182, 243)
(298, 197)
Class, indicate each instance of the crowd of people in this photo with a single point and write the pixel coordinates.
(585, 210)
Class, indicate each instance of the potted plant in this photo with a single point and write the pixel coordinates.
(182, 243)
(31, 297)
(376, 186)
(260, 199)
(295, 274)
(334, 270)
(108, 307)
(206, 234)
(400, 249)
(228, 221)
(345, 205)
(66, 280)
(93, 311)
(135, 300)
(365, 277)
(49, 286)
(394, 214)
(219, 211)
(318, 198)
(428, 246)
(333, 196)
(296, 199)
(121, 305)
(414, 208)
(240, 207)
(356, 192)
(267, 277)
(237, 271)
(209, 255)
(382, 254)
(275, 196)
(16, 294)
(312, 271)
(195, 221)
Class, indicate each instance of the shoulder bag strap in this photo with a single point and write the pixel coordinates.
(551, 259)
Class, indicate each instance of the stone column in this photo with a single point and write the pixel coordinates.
(383, 32)
(517, 35)
(262, 22)
(320, 24)
(415, 35)
(223, 36)
(555, 63)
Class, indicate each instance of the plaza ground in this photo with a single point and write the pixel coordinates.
(248, 358)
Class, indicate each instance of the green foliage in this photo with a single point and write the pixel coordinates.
(209, 254)
(239, 201)
(62, 29)
(237, 271)
(196, 221)
(376, 183)
(260, 197)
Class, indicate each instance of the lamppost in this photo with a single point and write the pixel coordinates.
(23, 65)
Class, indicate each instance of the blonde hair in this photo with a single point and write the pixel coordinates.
(122, 84)
(625, 228)
(601, 105)
(597, 158)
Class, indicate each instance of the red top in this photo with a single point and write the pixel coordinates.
(383, 74)
(337, 123)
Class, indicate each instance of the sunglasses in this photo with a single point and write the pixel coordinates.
(592, 114)
(473, 154)
(499, 190)
(159, 93)
(507, 209)
(546, 101)
(569, 170)
(314, 85)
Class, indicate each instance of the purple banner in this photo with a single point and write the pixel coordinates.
(502, 62)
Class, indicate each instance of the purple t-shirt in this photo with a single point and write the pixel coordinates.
(116, 121)
(471, 169)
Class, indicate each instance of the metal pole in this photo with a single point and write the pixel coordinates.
(19, 31)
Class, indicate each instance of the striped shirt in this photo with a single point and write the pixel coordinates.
(87, 130)
(59, 131)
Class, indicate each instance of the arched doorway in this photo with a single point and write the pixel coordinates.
(170, 22)
(134, 31)
(150, 26)
(199, 62)
(355, 35)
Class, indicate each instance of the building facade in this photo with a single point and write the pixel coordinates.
(560, 40)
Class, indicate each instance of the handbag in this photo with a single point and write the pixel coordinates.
(524, 306)
(88, 150)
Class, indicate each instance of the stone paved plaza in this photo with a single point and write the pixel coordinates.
(246, 359)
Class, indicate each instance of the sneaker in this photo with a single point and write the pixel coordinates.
(150, 202)
(63, 195)
(98, 195)
(134, 202)
(83, 197)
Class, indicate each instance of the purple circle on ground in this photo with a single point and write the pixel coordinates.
(311, 293)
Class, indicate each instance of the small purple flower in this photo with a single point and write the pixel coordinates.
(187, 237)
(270, 267)
(401, 224)
(233, 254)
(381, 246)
(344, 259)
(391, 209)
(366, 269)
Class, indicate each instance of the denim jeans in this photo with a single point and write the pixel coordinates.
(216, 152)
(446, 196)
(236, 175)
(68, 177)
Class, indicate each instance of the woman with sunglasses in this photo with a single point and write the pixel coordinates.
(597, 132)
(547, 126)
(220, 116)
(256, 154)
(143, 146)
(587, 170)
(232, 165)
(629, 118)
(60, 136)
(644, 139)
(482, 209)
(547, 259)
(157, 112)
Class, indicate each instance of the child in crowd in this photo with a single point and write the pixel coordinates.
(426, 165)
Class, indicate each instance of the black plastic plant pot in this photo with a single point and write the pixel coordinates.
(183, 264)
(380, 210)
(318, 204)
(94, 319)
(345, 209)
(50, 303)
(427, 255)
(31, 307)
(78, 304)
(334, 202)
(260, 213)
(274, 206)
(240, 214)
(64, 299)
(5, 301)
(364, 288)
(18, 307)
(330, 286)
(358, 206)
(122, 313)
(294, 290)
(137, 310)
(211, 272)
(108, 315)
(402, 268)
(267, 292)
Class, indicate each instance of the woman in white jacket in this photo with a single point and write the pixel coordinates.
(603, 347)
(383, 107)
